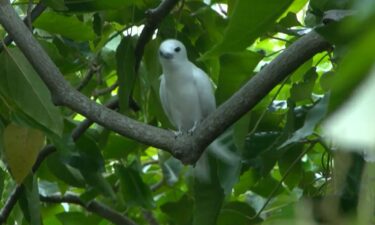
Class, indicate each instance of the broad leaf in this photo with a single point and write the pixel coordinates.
(133, 190)
(125, 61)
(21, 148)
(67, 26)
(208, 193)
(180, 212)
(313, 117)
(29, 201)
(22, 87)
(235, 69)
(249, 20)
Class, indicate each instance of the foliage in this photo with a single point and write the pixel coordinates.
(277, 168)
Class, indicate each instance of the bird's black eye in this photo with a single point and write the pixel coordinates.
(177, 49)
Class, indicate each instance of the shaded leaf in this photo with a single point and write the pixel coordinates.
(208, 193)
(134, 191)
(295, 173)
(67, 26)
(238, 213)
(77, 218)
(29, 201)
(235, 69)
(313, 117)
(21, 84)
(180, 211)
(125, 61)
(303, 90)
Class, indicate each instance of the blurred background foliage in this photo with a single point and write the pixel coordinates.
(285, 171)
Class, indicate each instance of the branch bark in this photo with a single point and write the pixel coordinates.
(92, 206)
(154, 17)
(186, 148)
(35, 13)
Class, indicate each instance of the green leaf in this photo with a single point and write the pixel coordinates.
(55, 4)
(29, 201)
(134, 191)
(58, 165)
(235, 69)
(241, 130)
(21, 148)
(238, 213)
(208, 193)
(119, 147)
(180, 211)
(313, 117)
(67, 26)
(303, 90)
(353, 68)
(2, 179)
(249, 20)
(96, 5)
(125, 60)
(228, 165)
(23, 88)
(259, 153)
(171, 169)
(295, 173)
(265, 186)
(78, 218)
(246, 180)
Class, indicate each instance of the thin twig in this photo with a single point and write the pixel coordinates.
(154, 17)
(28, 15)
(149, 217)
(99, 92)
(92, 206)
(89, 74)
(266, 109)
(276, 189)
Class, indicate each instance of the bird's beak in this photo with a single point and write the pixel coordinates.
(166, 55)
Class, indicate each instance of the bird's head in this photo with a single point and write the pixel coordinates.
(172, 51)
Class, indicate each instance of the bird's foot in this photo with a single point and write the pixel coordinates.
(191, 131)
(177, 133)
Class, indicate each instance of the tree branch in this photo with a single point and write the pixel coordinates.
(92, 206)
(63, 94)
(258, 87)
(35, 13)
(186, 148)
(154, 17)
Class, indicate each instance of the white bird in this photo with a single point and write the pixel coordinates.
(186, 92)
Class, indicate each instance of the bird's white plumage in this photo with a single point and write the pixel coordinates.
(186, 92)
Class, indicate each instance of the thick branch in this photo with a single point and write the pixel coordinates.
(63, 94)
(258, 87)
(186, 148)
(92, 206)
(35, 13)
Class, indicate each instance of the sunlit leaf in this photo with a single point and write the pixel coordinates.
(21, 148)
(242, 32)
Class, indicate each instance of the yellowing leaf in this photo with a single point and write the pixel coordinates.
(21, 148)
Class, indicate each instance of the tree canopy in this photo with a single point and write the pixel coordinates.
(84, 139)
